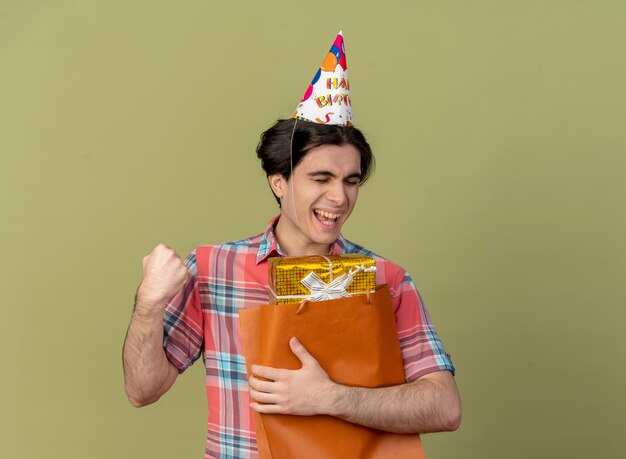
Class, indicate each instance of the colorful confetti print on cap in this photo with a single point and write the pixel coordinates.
(327, 99)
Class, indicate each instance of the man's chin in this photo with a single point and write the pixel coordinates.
(325, 235)
(327, 238)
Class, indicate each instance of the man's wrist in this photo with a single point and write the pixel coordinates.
(148, 308)
(340, 399)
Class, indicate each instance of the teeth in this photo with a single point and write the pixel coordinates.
(330, 215)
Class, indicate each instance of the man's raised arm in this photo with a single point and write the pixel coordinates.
(147, 372)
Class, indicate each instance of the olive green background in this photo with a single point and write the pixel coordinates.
(499, 133)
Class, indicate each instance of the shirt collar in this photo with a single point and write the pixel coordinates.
(269, 247)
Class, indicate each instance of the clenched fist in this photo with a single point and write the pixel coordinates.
(164, 275)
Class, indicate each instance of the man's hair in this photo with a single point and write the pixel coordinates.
(273, 148)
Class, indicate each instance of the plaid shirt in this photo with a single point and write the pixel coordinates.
(202, 319)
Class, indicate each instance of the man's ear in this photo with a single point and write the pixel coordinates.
(278, 184)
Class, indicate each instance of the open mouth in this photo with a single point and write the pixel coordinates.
(325, 217)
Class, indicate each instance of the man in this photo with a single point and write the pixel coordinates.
(314, 171)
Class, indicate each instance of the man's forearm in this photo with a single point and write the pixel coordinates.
(429, 404)
(147, 372)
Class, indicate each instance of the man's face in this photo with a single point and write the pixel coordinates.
(317, 199)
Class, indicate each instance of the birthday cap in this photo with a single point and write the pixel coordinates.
(327, 99)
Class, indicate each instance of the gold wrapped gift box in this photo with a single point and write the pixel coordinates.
(286, 277)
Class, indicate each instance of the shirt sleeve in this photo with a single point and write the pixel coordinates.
(183, 321)
(422, 351)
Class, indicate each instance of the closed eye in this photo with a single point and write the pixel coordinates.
(326, 176)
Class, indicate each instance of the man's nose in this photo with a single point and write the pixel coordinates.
(337, 193)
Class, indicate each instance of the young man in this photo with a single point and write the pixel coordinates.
(314, 171)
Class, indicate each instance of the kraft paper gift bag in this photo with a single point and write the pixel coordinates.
(355, 341)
